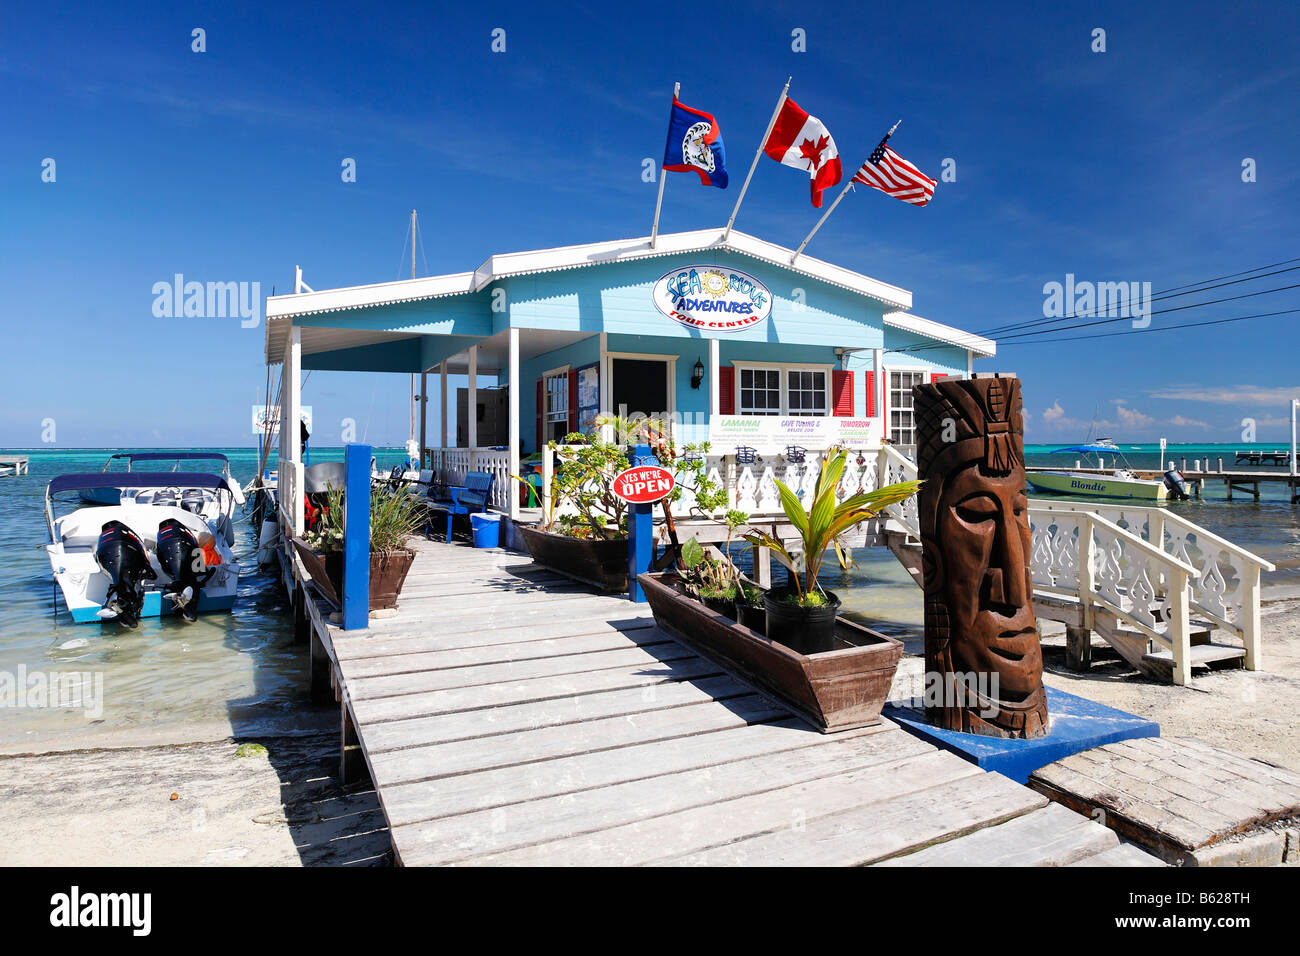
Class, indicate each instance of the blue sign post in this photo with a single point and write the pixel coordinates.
(356, 538)
(640, 531)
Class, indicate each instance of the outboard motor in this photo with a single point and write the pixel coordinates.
(123, 557)
(181, 558)
(1176, 483)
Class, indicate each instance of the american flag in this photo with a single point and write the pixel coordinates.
(890, 173)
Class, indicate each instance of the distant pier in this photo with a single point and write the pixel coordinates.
(13, 465)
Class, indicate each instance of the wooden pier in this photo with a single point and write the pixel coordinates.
(13, 465)
(509, 716)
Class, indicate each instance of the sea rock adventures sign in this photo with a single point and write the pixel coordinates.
(643, 484)
(712, 298)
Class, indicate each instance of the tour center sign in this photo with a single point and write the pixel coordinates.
(643, 484)
(773, 432)
(712, 298)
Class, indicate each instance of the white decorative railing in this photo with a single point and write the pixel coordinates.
(1226, 585)
(751, 485)
(288, 495)
(451, 465)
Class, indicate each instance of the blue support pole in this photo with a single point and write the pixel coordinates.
(640, 531)
(356, 539)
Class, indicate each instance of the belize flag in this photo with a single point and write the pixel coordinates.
(695, 143)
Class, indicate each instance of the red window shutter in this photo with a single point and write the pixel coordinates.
(842, 393)
(727, 390)
(573, 399)
(540, 409)
(870, 386)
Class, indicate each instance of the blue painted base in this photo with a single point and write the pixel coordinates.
(1077, 724)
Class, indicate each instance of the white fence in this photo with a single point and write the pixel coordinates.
(751, 485)
(452, 465)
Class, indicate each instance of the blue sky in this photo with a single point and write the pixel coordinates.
(225, 166)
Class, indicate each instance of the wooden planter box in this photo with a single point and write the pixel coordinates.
(835, 690)
(597, 562)
(388, 570)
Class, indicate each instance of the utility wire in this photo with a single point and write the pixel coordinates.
(1122, 318)
(1158, 328)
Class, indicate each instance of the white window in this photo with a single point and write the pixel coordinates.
(902, 416)
(555, 396)
(797, 391)
(760, 391)
(806, 392)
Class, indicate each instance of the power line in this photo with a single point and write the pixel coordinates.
(1122, 318)
(1159, 328)
(1166, 294)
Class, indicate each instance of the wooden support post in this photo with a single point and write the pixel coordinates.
(352, 762)
(321, 672)
(513, 434)
(640, 530)
(301, 619)
(1078, 648)
(762, 567)
(356, 539)
(1250, 623)
(1180, 627)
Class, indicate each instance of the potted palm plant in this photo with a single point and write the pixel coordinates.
(802, 617)
(394, 518)
(838, 680)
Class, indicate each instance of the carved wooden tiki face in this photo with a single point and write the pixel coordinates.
(980, 637)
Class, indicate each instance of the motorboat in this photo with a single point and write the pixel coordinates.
(1119, 481)
(218, 508)
(158, 552)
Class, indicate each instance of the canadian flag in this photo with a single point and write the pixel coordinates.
(802, 141)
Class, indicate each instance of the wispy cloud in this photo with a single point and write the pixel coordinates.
(1229, 394)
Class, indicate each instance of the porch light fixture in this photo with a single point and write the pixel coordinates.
(697, 374)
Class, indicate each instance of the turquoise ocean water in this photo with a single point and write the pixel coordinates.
(244, 666)
(240, 667)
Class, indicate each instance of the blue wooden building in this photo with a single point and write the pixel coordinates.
(738, 341)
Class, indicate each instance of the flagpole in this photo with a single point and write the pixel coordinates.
(654, 230)
(826, 215)
(843, 193)
(754, 165)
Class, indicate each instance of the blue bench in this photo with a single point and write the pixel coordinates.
(467, 499)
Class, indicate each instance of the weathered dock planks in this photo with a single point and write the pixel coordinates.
(509, 717)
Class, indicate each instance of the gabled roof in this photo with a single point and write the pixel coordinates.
(600, 253)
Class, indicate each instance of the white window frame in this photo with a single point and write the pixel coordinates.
(784, 368)
(891, 407)
(555, 411)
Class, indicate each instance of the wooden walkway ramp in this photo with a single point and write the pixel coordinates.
(508, 716)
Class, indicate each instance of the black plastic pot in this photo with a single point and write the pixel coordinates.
(754, 618)
(807, 630)
(724, 606)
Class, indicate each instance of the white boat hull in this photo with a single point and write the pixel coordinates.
(1097, 486)
(85, 584)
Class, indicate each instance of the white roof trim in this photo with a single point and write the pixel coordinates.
(620, 250)
(944, 333)
(573, 257)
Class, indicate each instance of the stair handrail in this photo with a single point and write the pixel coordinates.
(1167, 517)
(897, 512)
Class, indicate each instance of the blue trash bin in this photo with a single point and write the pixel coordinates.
(487, 530)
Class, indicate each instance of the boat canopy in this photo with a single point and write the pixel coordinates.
(1093, 448)
(135, 479)
(168, 456)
